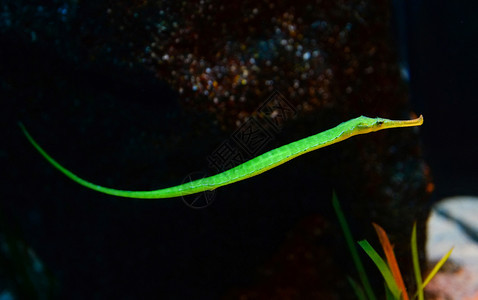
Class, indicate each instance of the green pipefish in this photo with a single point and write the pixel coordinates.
(253, 167)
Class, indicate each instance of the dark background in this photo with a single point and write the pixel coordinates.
(443, 39)
(65, 225)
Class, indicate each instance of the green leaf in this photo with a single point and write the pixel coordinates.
(353, 250)
(382, 267)
(436, 268)
(416, 264)
(388, 294)
(357, 289)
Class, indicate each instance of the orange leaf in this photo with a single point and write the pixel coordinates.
(391, 260)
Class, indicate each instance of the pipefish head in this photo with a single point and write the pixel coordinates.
(365, 124)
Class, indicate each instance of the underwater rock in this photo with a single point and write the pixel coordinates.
(23, 275)
(453, 223)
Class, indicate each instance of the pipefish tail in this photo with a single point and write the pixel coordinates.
(253, 167)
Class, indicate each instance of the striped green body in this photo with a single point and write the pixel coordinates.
(253, 167)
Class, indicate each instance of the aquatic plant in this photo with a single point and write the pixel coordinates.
(390, 271)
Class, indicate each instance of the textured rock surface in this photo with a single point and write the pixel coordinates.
(453, 223)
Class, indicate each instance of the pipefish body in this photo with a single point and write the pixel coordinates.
(251, 168)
